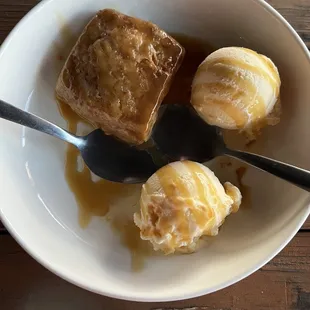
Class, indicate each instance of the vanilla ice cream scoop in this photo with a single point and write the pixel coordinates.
(182, 202)
(237, 88)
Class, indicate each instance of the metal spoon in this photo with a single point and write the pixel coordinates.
(181, 133)
(105, 156)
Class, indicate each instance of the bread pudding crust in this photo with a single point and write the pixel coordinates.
(118, 74)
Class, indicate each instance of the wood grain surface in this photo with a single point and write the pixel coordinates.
(283, 284)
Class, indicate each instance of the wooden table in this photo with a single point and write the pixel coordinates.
(282, 284)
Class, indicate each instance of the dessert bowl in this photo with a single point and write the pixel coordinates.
(39, 209)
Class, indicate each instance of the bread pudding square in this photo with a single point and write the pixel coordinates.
(118, 74)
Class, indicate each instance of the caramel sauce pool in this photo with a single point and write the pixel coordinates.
(244, 189)
(195, 53)
(94, 198)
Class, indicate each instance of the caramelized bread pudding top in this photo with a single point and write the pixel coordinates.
(118, 73)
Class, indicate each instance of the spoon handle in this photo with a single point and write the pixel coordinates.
(297, 176)
(16, 115)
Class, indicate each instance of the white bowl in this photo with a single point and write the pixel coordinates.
(38, 208)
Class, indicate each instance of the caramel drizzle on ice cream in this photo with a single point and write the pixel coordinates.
(236, 88)
(181, 202)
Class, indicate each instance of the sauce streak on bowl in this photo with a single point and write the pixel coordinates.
(96, 198)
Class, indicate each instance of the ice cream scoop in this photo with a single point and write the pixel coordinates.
(182, 202)
(237, 88)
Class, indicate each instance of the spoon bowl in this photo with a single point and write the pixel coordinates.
(179, 134)
(115, 160)
(107, 157)
(182, 134)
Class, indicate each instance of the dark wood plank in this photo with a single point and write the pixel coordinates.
(297, 12)
(306, 226)
(11, 11)
(282, 284)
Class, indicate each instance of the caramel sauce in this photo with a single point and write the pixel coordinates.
(227, 67)
(196, 52)
(130, 238)
(244, 189)
(67, 39)
(174, 187)
(248, 67)
(221, 208)
(95, 198)
(198, 173)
